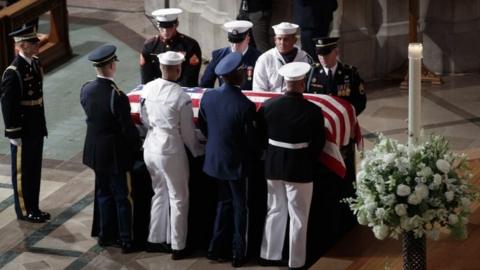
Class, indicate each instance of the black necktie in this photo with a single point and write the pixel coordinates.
(329, 81)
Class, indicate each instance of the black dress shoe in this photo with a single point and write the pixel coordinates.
(238, 261)
(265, 262)
(33, 218)
(45, 215)
(107, 242)
(129, 247)
(179, 254)
(212, 256)
(158, 247)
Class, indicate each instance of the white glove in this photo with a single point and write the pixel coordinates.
(16, 142)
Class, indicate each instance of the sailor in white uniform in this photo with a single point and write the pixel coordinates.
(167, 112)
(265, 75)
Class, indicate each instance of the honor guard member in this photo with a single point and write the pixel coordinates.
(25, 125)
(265, 75)
(110, 144)
(332, 77)
(293, 132)
(239, 37)
(226, 118)
(169, 39)
(168, 114)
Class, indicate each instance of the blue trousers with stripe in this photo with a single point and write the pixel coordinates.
(115, 200)
(26, 174)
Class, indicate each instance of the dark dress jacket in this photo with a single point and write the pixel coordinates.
(112, 139)
(293, 120)
(227, 118)
(22, 99)
(346, 84)
(150, 69)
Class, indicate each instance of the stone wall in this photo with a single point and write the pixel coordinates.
(374, 33)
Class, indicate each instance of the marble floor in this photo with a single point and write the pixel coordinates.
(451, 109)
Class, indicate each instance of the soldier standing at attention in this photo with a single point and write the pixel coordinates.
(169, 39)
(110, 145)
(25, 125)
(239, 37)
(332, 77)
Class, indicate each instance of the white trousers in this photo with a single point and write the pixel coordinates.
(169, 212)
(287, 199)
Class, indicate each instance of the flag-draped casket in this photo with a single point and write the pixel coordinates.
(340, 121)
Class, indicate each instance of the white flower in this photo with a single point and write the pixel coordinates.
(414, 199)
(425, 172)
(452, 219)
(403, 190)
(443, 165)
(449, 195)
(401, 209)
(380, 231)
(362, 218)
(380, 213)
(421, 190)
(389, 158)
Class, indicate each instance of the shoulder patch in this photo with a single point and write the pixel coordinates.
(194, 60)
(361, 89)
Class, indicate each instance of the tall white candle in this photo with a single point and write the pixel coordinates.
(414, 92)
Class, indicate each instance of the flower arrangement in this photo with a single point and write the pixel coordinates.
(423, 190)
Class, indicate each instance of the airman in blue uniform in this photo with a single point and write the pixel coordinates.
(226, 118)
(110, 144)
(239, 37)
(25, 125)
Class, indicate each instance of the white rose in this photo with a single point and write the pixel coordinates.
(380, 187)
(414, 199)
(427, 171)
(389, 158)
(449, 196)
(452, 219)
(403, 190)
(362, 218)
(421, 190)
(443, 165)
(401, 209)
(380, 213)
(380, 231)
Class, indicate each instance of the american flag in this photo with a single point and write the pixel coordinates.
(341, 124)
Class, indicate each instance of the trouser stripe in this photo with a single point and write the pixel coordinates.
(21, 200)
(130, 199)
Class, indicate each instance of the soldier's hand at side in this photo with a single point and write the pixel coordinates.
(16, 142)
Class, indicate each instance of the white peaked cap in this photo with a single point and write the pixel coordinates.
(237, 27)
(285, 28)
(171, 58)
(294, 71)
(166, 14)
